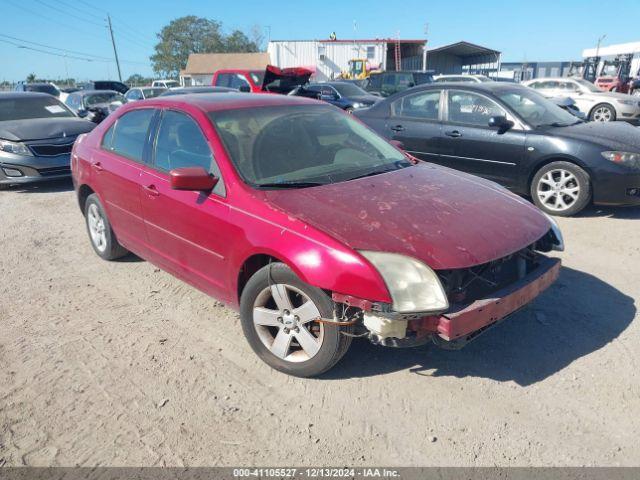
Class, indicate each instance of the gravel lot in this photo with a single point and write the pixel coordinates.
(121, 364)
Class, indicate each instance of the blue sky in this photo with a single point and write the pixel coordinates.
(531, 30)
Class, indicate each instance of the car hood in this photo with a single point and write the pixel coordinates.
(365, 99)
(600, 96)
(43, 128)
(611, 135)
(444, 218)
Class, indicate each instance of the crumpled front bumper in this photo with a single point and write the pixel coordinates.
(462, 322)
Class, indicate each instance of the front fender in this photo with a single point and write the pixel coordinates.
(329, 266)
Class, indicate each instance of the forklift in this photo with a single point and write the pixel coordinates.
(614, 74)
(586, 69)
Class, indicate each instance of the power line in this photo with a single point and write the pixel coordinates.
(49, 53)
(120, 23)
(85, 56)
(37, 14)
(54, 48)
(57, 10)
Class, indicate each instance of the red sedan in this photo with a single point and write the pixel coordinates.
(316, 228)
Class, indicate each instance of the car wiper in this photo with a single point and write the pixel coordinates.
(372, 173)
(289, 184)
(557, 124)
(399, 164)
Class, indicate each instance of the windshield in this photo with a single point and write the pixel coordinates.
(153, 92)
(29, 107)
(587, 85)
(301, 146)
(348, 89)
(103, 97)
(257, 76)
(535, 109)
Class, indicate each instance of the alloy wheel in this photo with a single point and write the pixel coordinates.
(558, 190)
(97, 228)
(602, 114)
(286, 321)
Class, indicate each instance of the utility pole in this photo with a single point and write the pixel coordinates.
(115, 51)
(426, 45)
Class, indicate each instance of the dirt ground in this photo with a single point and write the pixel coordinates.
(121, 364)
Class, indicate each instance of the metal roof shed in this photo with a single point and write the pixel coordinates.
(463, 57)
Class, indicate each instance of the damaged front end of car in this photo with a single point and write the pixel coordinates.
(460, 304)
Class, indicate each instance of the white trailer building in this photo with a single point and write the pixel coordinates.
(328, 58)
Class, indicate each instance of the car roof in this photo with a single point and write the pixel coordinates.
(18, 95)
(91, 92)
(481, 87)
(229, 101)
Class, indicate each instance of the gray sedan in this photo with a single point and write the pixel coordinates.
(37, 132)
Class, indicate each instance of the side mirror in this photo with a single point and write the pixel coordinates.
(244, 88)
(501, 123)
(192, 178)
(82, 113)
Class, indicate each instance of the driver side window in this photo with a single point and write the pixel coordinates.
(181, 143)
(470, 108)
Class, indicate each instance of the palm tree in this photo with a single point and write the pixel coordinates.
(31, 78)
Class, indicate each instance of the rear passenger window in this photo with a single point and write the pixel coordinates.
(472, 109)
(129, 134)
(223, 79)
(424, 105)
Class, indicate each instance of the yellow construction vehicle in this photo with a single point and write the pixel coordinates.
(359, 68)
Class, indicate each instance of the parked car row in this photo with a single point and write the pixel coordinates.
(514, 136)
(320, 226)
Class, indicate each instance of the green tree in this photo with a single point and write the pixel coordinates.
(31, 78)
(192, 34)
(136, 80)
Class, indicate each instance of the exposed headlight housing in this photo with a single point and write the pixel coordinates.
(555, 229)
(629, 159)
(413, 286)
(16, 148)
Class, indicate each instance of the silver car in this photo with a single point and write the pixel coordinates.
(599, 106)
(37, 132)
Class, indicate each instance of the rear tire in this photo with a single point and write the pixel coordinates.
(602, 112)
(561, 188)
(103, 239)
(277, 311)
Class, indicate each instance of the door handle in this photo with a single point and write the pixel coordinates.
(151, 190)
(453, 134)
(397, 128)
(97, 166)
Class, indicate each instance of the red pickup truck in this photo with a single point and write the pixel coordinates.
(270, 80)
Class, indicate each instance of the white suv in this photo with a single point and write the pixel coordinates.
(165, 83)
(597, 105)
(462, 78)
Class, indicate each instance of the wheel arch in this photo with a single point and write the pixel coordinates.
(615, 112)
(555, 158)
(83, 193)
(252, 264)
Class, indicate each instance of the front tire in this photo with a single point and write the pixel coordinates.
(103, 240)
(603, 112)
(561, 188)
(279, 315)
